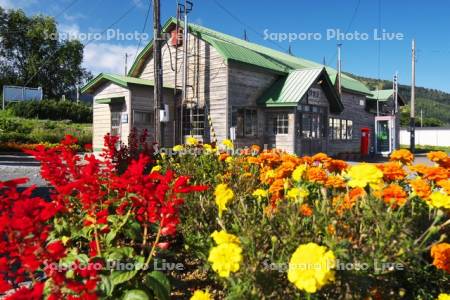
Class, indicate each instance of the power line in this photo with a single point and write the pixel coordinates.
(143, 27)
(352, 19)
(244, 24)
(87, 43)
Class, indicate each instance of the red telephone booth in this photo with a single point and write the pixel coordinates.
(365, 138)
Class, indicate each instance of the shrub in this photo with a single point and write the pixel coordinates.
(52, 110)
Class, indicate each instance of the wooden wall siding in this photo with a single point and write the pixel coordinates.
(102, 114)
(208, 84)
(284, 142)
(360, 117)
(322, 101)
(142, 99)
(246, 85)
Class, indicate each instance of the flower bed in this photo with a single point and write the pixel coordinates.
(240, 224)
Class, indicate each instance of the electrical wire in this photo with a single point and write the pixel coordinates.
(228, 12)
(118, 20)
(352, 19)
(143, 27)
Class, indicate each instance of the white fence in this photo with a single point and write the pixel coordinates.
(20, 93)
(430, 136)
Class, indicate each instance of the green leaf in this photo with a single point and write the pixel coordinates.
(118, 277)
(160, 285)
(135, 295)
(106, 286)
(119, 253)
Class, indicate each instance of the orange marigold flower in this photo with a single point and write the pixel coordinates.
(336, 182)
(277, 189)
(320, 157)
(419, 169)
(285, 169)
(421, 187)
(392, 171)
(402, 155)
(306, 210)
(436, 174)
(255, 149)
(316, 174)
(441, 256)
(445, 184)
(223, 156)
(348, 201)
(394, 195)
(437, 156)
(335, 165)
(331, 229)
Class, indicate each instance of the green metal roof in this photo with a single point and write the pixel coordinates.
(288, 91)
(123, 81)
(232, 48)
(385, 95)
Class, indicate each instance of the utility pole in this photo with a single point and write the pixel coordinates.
(245, 35)
(412, 121)
(421, 118)
(126, 64)
(157, 69)
(186, 9)
(339, 69)
(395, 87)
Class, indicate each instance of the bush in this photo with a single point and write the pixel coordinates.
(52, 110)
(32, 131)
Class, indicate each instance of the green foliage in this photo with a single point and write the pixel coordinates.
(52, 110)
(32, 131)
(435, 104)
(30, 54)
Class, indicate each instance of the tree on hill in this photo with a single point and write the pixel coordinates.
(29, 55)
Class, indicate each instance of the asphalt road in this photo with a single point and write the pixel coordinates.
(18, 165)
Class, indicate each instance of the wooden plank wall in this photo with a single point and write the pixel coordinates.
(102, 114)
(207, 84)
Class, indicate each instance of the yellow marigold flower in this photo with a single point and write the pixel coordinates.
(191, 141)
(310, 267)
(178, 148)
(201, 295)
(297, 193)
(363, 174)
(260, 193)
(208, 148)
(228, 144)
(156, 168)
(229, 159)
(438, 200)
(443, 297)
(298, 173)
(223, 195)
(222, 237)
(225, 258)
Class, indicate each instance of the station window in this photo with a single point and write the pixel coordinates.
(193, 121)
(340, 129)
(245, 121)
(143, 117)
(279, 123)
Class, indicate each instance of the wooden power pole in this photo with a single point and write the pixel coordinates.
(157, 69)
(412, 122)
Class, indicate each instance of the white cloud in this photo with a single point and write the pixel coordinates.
(16, 3)
(108, 58)
(73, 17)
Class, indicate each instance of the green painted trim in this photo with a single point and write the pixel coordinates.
(99, 78)
(109, 100)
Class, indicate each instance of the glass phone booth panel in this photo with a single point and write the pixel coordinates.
(385, 134)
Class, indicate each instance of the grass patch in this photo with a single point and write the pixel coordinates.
(35, 131)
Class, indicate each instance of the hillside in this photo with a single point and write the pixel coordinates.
(435, 104)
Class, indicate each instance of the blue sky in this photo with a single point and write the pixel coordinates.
(426, 21)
